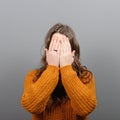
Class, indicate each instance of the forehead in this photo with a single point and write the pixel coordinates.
(59, 35)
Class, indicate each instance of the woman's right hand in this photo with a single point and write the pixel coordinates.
(52, 54)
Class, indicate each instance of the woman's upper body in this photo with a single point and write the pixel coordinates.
(82, 98)
(62, 89)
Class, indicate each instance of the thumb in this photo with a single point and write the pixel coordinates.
(73, 53)
(46, 50)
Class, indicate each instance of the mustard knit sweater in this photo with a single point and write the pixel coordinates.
(82, 97)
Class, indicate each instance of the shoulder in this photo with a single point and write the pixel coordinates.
(32, 72)
(32, 75)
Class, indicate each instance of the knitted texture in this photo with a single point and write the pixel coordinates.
(82, 97)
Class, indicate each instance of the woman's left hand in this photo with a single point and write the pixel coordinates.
(66, 55)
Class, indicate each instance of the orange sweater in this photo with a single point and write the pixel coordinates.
(82, 97)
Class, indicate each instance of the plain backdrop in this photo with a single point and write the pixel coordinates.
(23, 26)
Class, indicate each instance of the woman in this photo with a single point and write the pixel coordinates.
(62, 89)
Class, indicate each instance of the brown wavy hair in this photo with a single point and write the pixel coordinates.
(83, 73)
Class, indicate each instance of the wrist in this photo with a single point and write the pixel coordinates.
(64, 65)
(53, 64)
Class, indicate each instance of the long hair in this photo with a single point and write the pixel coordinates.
(83, 73)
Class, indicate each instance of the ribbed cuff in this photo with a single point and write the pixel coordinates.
(67, 69)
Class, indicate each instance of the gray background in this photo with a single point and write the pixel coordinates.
(23, 26)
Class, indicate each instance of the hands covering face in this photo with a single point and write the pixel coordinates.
(59, 52)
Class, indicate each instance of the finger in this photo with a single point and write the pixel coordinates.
(56, 44)
(68, 45)
(51, 43)
(66, 48)
(46, 51)
(65, 44)
(58, 49)
(61, 48)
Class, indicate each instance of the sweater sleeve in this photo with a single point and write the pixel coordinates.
(82, 96)
(36, 94)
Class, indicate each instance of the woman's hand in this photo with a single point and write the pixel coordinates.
(66, 55)
(59, 53)
(52, 55)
